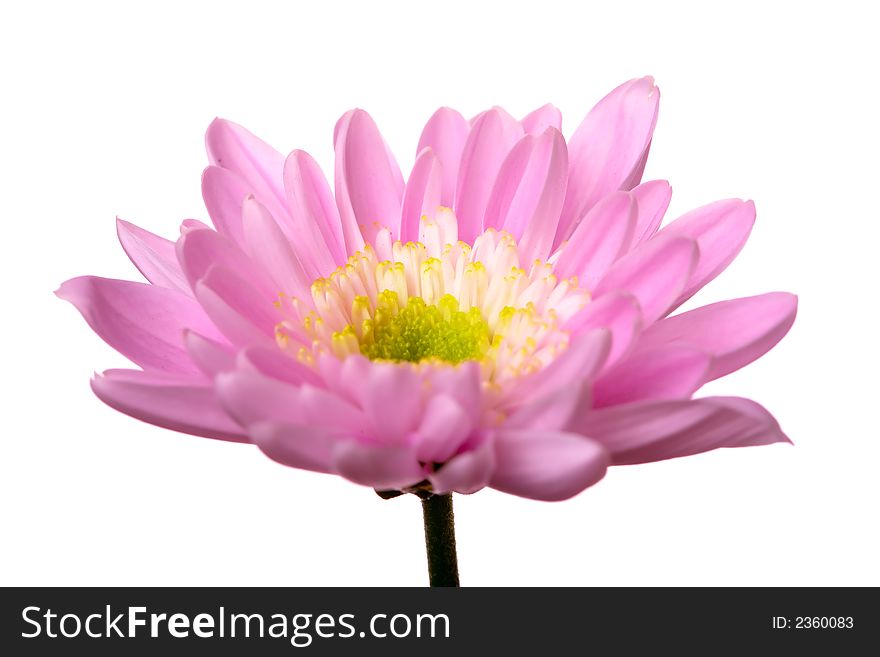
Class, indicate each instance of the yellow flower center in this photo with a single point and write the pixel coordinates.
(417, 331)
(437, 301)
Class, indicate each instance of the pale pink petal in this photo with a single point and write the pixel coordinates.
(655, 273)
(210, 356)
(199, 250)
(190, 225)
(546, 465)
(618, 312)
(579, 362)
(550, 412)
(443, 428)
(537, 121)
(266, 244)
(635, 176)
(143, 322)
(315, 217)
(493, 134)
(296, 446)
(273, 363)
(369, 186)
(506, 184)
(346, 377)
(383, 468)
(241, 313)
(720, 230)
(422, 195)
(657, 430)
(250, 397)
(353, 239)
(463, 383)
(467, 472)
(607, 147)
(667, 372)
(529, 191)
(599, 240)
(259, 165)
(392, 401)
(734, 332)
(445, 134)
(154, 256)
(223, 192)
(652, 199)
(174, 402)
(327, 409)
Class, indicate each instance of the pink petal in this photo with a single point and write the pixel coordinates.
(652, 199)
(259, 165)
(327, 409)
(493, 134)
(546, 465)
(550, 412)
(296, 446)
(754, 411)
(210, 356)
(657, 430)
(143, 322)
(734, 332)
(392, 401)
(351, 233)
(635, 176)
(579, 362)
(190, 225)
(546, 116)
(669, 372)
(599, 240)
(529, 191)
(607, 147)
(445, 134)
(619, 313)
(422, 194)
(268, 360)
(223, 192)
(345, 377)
(720, 230)
(383, 468)
(463, 383)
(174, 402)
(655, 273)
(443, 428)
(199, 250)
(369, 186)
(266, 244)
(315, 218)
(154, 256)
(467, 473)
(240, 312)
(251, 398)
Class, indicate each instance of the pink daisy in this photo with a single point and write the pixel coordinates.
(501, 319)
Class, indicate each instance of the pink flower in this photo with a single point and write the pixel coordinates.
(501, 319)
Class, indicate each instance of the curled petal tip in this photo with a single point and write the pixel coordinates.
(649, 82)
(70, 289)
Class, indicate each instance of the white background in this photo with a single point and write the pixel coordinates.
(103, 110)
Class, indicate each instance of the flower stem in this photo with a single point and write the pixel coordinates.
(440, 539)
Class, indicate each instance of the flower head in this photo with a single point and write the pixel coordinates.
(501, 319)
